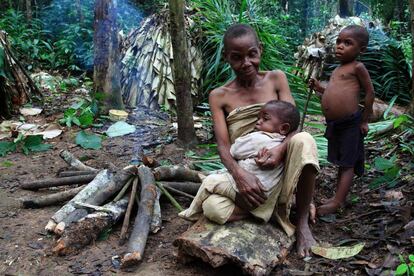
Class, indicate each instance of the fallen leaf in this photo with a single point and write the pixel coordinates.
(394, 195)
(120, 128)
(51, 131)
(339, 252)
(30, 111)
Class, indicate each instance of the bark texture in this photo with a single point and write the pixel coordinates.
(87, 230)
(138, 238)
(106, 73)
(412, 47)
(177, 173)
(182, 73)
(55, 182)
(52, 199)
(255, 247)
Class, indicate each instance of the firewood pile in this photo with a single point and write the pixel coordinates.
(106, 196)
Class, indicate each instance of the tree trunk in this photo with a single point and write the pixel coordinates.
(284, 4)
(106, 72)
(182, 79)
(79, 11)
(412, 47)
(345, 8)
(29, 10)
(304, 20)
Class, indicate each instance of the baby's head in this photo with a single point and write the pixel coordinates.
(242, 50)
(351, 41)
(278, 117)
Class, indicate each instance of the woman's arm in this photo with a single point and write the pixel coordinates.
(249, 186)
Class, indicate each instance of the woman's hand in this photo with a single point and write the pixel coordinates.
(268, 159)
(250, 189)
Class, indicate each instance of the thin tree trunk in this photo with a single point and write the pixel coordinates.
(304, 20)
(29, 10)
(412, 47)
(182, 73)
(79, 11)
(345, 8)
(106, 75)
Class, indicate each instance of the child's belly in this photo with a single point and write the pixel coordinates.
(339, 104)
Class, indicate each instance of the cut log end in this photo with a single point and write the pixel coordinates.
(50, 226)
(60, 228)
(131, 259)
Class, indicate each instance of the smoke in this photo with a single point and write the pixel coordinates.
(71, 28)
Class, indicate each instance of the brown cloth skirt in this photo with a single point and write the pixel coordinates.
(346, 142)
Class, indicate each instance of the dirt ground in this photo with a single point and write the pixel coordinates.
(370, 216)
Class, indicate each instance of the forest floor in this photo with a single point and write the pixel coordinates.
(373, 216)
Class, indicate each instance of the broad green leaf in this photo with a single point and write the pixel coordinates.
(88, 141)
(399, 120)
(120, 129)
(34, 143)
(339, 252)
(86, 119)
(401, 269)
(411, 258)
(383, 164)
(6, 147)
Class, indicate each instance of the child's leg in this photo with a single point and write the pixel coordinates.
(216, 184)
(345, 176)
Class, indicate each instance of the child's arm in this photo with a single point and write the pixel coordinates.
(317, 86)
(366, 83)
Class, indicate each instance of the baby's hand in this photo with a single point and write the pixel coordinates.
(364, 128)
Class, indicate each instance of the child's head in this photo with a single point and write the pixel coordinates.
(278, 117)
(242, 50)
(351, 41)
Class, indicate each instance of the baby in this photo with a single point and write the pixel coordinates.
(276, 120)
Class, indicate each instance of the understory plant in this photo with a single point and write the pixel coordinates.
(213, 17)
(25, 144)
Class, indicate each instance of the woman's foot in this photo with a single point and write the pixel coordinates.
(330, 207)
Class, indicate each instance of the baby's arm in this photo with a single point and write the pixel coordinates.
(366, 84)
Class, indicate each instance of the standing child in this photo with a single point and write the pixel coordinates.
(346, 123)
(276, 120)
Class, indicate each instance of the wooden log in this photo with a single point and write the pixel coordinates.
(102, 187)
(47, 200)
(177, 173)
(186, 187)
(156, 221)
(75, 173)
(256, 247)
(125, 224)
(56, 182)
(178, 192)
(87, 230)
(74, 162)
(138, 238)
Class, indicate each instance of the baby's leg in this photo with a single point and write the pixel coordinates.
(345, 176)
(213, 184)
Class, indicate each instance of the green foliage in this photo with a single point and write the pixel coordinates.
(6, 164)
(405, 268)
(390, 169)
(88, 140)
(28, 144)
(81, 114)
(209, 161)
(215, 16)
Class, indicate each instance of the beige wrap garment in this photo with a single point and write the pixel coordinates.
(215, 198)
